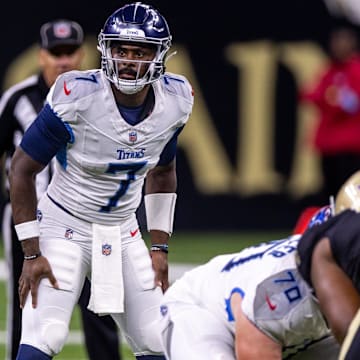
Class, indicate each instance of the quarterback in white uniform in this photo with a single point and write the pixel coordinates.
(110, 129)
(248, 305)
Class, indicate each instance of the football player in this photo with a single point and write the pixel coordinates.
(248, 305)
(60, 49)
(329, 259)
(294, 298)
(110, 129)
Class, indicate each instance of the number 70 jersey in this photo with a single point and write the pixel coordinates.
(274, 295)
(100, 173)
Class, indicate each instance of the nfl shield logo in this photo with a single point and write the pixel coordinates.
(106, 249)
(132, 136)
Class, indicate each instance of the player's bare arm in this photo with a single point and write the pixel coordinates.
(324, 274)
(22, 186)
(24, 203)
(250, 342)
(160, 180)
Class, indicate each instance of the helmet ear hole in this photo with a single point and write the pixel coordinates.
(138, 23)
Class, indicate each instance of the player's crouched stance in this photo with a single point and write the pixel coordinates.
(134, 309)
(110, 130)
(249, 305)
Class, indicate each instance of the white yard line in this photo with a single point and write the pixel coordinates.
(3, 271)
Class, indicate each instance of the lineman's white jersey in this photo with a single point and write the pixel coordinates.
(275, 298)
(99, 176)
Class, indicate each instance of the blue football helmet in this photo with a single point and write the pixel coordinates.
(139, 23)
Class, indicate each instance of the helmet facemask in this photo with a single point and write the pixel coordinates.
(136, 23)
(155, 67)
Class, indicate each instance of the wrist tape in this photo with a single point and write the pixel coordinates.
(160, 209)
(27, 230)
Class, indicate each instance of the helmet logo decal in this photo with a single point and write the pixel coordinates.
(324, 214)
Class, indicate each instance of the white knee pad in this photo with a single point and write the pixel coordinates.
(142, 301)
(54, 334)
(143, 337)
(46, 327)
(153, 339)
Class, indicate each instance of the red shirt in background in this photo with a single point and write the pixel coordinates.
(337, 96)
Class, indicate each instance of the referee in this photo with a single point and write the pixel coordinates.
(61, 50)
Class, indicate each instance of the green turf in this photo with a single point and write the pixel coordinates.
(194, 248)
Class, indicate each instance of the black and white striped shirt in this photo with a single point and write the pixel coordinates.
(19, 106)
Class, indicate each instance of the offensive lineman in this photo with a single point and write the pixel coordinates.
(109, 129)
(248, 305)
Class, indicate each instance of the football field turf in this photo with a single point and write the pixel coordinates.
(184, 248)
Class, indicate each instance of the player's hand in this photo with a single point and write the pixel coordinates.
(32, 272)
(161, 268)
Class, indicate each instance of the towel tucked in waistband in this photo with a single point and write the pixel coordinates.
(107, 284)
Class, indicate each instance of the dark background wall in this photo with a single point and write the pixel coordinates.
(206, 32)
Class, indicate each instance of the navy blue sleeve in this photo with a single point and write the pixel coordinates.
(169, 152)
(46, 136)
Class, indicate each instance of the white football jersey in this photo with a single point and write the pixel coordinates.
(275, 298)
(100, 175)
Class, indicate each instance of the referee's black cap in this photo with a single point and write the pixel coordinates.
(61, 32)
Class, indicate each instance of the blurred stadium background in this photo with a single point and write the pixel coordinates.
(245, 170)
(243, 161)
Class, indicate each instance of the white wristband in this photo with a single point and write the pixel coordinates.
(27, 230)
(160, 209)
